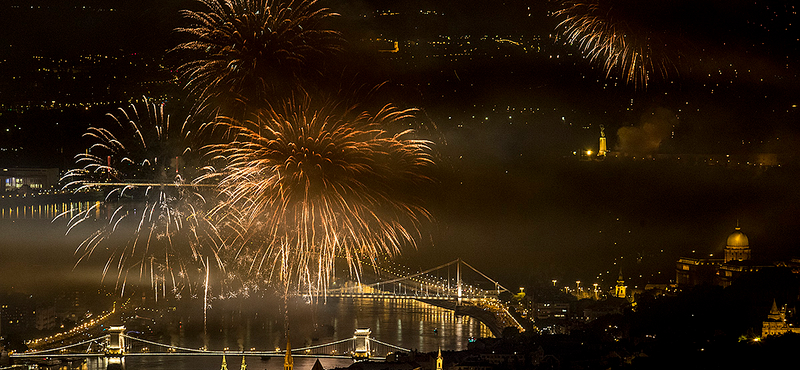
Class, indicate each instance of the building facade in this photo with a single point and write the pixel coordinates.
(28, 179)
(736, 260)
(776, 322)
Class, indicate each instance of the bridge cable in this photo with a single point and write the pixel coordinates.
(167, 345)
(484, 275)
(322, 345)
(389, 345)
(414, 275)
(67, 346)
(206, 351)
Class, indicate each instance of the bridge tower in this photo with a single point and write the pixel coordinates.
(458, 279)
(116, 341)
(361, 339)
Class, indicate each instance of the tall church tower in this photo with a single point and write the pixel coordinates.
(288, 362)
(620, 291)
(439, 360)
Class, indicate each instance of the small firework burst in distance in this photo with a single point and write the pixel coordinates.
(307, 185)
(619, 35)
(152, 217)
(243, 52)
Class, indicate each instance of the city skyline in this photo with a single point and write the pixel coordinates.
(508, 111)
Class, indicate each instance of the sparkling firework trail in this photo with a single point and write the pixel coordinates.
(152, 216)
(243, 52)
(603, 31)
(306, 186)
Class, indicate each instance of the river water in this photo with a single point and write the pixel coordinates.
(405, 323)
(233, 324)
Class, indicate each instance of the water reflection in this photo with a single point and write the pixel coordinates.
(246, 324)
(44, 211)
(405, 323)
(201, 363)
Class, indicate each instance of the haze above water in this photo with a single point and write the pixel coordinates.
(546, 219)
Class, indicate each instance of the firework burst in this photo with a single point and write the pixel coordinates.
(242, 52)
(307, 186)
(619, 35)
(151, 217)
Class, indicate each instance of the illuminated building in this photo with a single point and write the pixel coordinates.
(736, 260)
(776, 322)
(20, 179)
(552, 310)
(738, 246)
(620, 290)
(393, 50)
(693, 271)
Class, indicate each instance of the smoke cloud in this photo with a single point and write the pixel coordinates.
(645, 138)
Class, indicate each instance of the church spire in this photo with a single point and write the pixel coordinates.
(224, 364)
(620, 289)
(439, 360)
(288, 362)
(774, 307)
(774, 313)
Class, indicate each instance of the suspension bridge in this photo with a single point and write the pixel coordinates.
(117, 343)
(443, 286)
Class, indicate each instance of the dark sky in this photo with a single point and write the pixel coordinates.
(513, 202)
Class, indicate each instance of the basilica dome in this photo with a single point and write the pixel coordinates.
(738, 239)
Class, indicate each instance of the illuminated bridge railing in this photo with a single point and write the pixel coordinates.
(337, 349)
(95, 347)
(429, 286)
(360, 346)
(420, 285)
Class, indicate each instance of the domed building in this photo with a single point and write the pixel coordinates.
(735, 261)
(738, 246)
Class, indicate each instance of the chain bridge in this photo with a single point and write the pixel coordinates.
(117, 343)
(444, 286)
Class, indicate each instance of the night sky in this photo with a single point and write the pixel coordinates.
(512, 198)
